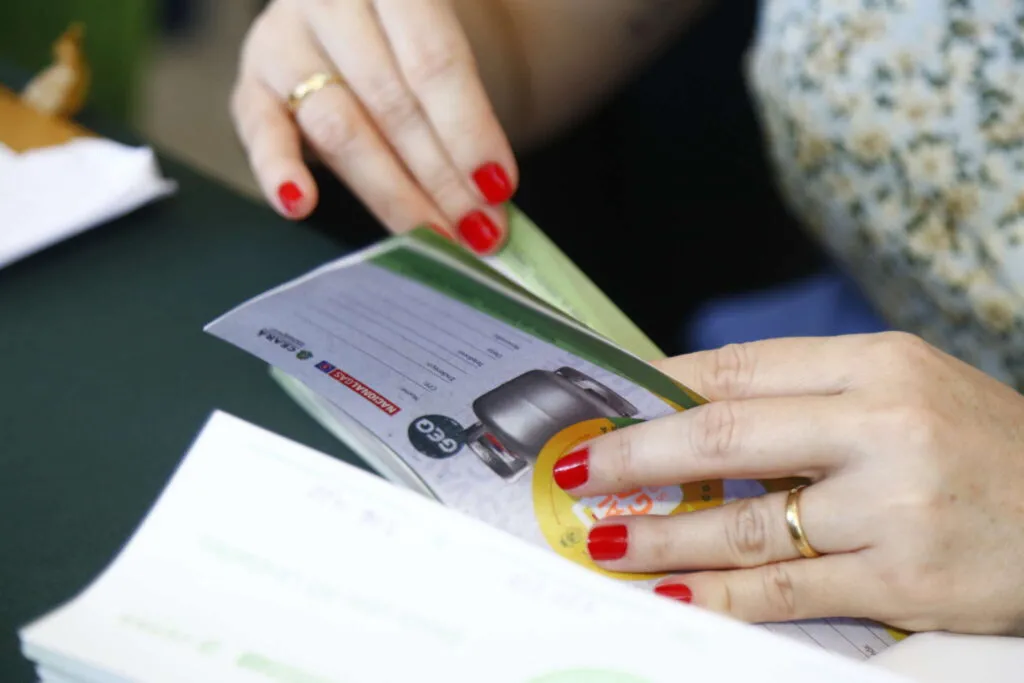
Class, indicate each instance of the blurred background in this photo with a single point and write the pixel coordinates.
(665, 190)
(162, 67)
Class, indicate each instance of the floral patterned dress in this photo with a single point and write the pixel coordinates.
(896, 128)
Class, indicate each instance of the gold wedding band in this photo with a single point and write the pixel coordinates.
(796, 528)
(314, 83)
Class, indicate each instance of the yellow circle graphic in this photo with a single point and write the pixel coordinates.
(565, 521)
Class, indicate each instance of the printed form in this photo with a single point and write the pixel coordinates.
(461, 394)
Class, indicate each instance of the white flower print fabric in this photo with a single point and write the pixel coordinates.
(896, 130)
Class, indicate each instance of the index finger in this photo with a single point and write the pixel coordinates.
(768, 438)
(775, 367)
(435, 58)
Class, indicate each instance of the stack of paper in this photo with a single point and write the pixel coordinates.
(266, 561)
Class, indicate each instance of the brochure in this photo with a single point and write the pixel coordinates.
(450, 379)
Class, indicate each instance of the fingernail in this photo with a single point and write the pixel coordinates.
(290, 196)
(494, 183)
(573, 470)
(675, 591)
(608, 542)
(479, 232)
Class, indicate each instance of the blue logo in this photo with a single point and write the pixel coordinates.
(324, 366)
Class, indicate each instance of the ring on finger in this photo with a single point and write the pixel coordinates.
(307, 87)
(795, 524)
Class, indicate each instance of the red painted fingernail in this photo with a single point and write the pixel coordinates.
(494, 183)
(675, 591)
(479, 232)
(573, 470)
(290, 196)
(608, 542)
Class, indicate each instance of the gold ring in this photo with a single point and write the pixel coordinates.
(316, 82)
(796, 528)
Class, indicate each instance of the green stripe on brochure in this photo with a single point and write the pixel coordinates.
(546, 271)
(547, 275)
(430, 238)
(551, 327)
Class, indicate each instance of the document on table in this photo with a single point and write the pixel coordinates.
(266, 561)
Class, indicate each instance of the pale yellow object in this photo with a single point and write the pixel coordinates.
(61, 88)
(23, 128)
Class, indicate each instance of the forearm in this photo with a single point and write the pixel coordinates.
(547, 62)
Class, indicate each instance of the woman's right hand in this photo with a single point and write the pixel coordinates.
(408, 127)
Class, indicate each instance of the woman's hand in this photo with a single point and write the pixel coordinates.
(916, 502)
(407, 126)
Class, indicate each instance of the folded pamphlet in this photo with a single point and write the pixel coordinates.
(451, 379)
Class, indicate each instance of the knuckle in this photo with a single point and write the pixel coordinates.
(447, 188)
(623, 461)
(779, 593)
(914, 422)
(898, 352)
(432, 62)
(713, 430)
(746, 534)
(918, 586)
(392, 104)
(329, 130)
(659, 548)
(924, 507)
(726, 599)
(262, 159)
(730, 371)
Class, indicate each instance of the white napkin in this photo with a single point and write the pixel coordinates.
(50, 194)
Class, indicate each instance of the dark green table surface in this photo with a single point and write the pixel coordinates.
(106, 376)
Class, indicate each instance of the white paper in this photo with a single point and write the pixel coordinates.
(954, 658)
(50, 194)
(264, 560)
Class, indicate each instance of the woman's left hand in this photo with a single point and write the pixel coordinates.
(916, 502)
